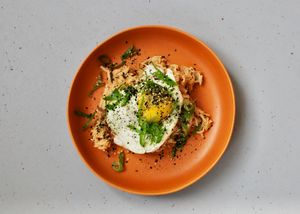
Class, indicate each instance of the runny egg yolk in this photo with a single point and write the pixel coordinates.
(154, 111)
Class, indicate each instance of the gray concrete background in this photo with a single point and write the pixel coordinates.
(42, 43)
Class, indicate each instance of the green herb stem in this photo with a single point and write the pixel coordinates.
(118, 166)
(90, 117)
(97, 85)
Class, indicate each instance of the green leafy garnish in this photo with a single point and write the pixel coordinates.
(187, 112)
(155, 88)
(107, 62)
(152, 131)
(143, 132)
(196, 129)
(155, 131)
(86, 125)
(181, 139)
(82, 114)
(133, 128)
(85, 115)
(97, 85)
(130, 52)
(115, 95)
(175, 105)
(119, 97)
(118, 166)
(160, 75)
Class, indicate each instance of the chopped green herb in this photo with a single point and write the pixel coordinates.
(181, 140)
(133, 128)
(175, 105)
(86, 125)
(130, 52)
(174, 151)
(187, 112)
(143, 132)
(160, 75)
(196, 129)
(152, 131)
(118, 166)
(130, 90)
(97, 85)
(111, 106)
(107, 62)
(115, 95)
(119, 97)
(149, 84)
(82, 114)
(88, 116)
(155, 132)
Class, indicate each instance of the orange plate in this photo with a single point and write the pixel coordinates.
(148, 174)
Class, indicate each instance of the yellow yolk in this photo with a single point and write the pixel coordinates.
(155, 112)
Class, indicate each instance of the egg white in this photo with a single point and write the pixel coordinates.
(122, 116)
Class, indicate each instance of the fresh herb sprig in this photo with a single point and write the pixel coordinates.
(182, 137)
(153, 131)
(130, 52)
(118, 166)
(181, 140)
(90, 117)
(119, 97)
(97, 85)
(107, 62)
(187, 112)
(196, 129)
(161, 76)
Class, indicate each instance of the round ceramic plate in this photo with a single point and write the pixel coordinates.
(157, 174)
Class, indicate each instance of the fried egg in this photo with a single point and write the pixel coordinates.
(143, 116)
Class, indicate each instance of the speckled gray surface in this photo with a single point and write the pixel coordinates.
(42, 43)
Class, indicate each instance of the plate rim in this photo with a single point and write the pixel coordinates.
(218, 157)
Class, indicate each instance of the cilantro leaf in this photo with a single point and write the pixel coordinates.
(161, 76)
(116, 98)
